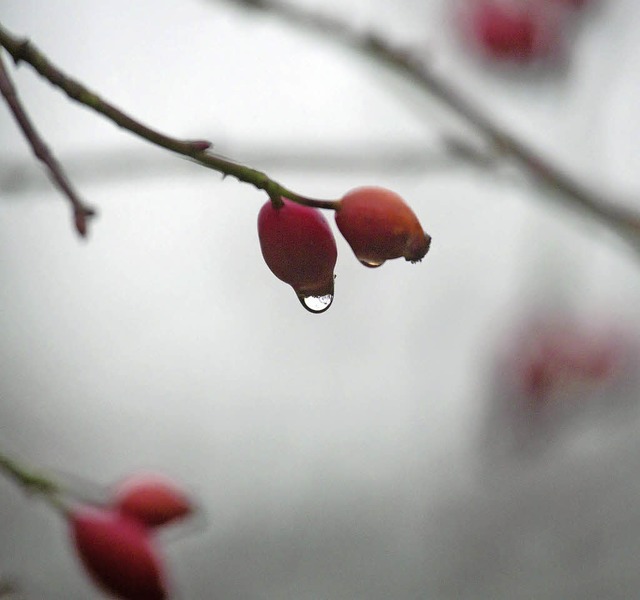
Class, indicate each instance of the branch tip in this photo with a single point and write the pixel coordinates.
(81, 217)
(200, 145)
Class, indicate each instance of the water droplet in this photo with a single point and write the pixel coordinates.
(371, 264)
(316, 304)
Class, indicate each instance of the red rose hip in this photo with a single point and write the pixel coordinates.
(152, 500)
(380, 226)
(298, 246)
(118, 554)
(515, 31)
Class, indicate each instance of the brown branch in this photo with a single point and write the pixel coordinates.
(625, 222)
(81, 212)
(196, 150)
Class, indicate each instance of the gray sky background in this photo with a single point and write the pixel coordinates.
(338, 456)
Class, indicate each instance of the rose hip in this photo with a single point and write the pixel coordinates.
(298, 246)
(152, 500)
(380, 226)
(520, 32)
(118, 554)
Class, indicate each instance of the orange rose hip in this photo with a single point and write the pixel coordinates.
(380, 226)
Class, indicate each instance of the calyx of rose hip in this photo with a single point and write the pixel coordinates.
(380, 226)
(298, 246)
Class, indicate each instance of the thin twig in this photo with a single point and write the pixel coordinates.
(32, 482)
(23, 50)
(624, 221)
(81, 212)
(7, 588)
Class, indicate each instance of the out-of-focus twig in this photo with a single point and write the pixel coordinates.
(7, 588)
(624, 221)
(101, 166)
(196, 150)
(31, 481)
(81, 212)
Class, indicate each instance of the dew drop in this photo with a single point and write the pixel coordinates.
(316, 304)
(372, 264)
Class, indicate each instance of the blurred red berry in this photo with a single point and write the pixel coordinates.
(380, 226)
(515, 31)
(550, 355)
(117, 553)
(152, 500)
(298, 246)
(582, 353)
(537, 378)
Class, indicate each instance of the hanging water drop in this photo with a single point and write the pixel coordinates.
(316, 304)
(372, 264)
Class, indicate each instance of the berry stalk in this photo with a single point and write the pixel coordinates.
(33, 482)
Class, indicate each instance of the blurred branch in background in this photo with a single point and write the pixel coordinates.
(9, 589)
(384, 156)
(622, 220)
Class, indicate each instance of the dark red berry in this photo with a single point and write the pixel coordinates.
(118, 554)
(298, 246)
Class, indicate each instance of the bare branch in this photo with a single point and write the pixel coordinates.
(81, 212)
(624, 221)
(196, 150)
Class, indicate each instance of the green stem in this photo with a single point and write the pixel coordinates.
(33, 482)
(196, 150)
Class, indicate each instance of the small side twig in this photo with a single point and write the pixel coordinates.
(196, 150)
(81, 212)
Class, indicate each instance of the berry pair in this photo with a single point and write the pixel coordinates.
(115, 542)
(298, 246)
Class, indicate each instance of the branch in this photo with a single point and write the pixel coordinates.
(32, 482)
(625, 222)
(81, 212)
(7, 588)
(196, 150)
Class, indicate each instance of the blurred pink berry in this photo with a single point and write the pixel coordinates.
(152, 500)
(550, 355)
(117, 553)
(520, 32)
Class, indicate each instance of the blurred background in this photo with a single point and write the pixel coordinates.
(462, 428)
